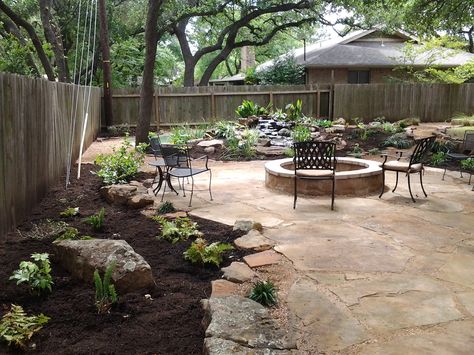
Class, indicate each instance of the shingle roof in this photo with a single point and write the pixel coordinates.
(353, 51)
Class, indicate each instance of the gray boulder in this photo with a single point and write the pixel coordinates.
(246, 225)
(82, 257)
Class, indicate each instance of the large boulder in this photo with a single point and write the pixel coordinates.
(134, 194)
(237, 325)
(82, 257)
(217, 143)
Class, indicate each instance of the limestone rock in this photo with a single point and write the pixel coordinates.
(211, 143)
(240, 320)
(82, 257)
(140, 201)
(148, 183)
(218, 346)
(238, 272)
(339, 121)
(247, 225)
(254, 240)
(338, 128)
(221, 288)
(209, 150)
(118, 194)
(265, 142)
(270, 151)
(285, 132)
(267, 257)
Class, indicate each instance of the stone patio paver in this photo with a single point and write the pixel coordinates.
(263, 258)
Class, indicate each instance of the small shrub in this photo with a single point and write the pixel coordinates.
(323, 123)
(444, 146)
(398, 140)
(279, 115)
(70, 233)
(463, 120)
(301, 134)
(181, 135)
(119, 130)
(36, 274)
(97, 220)
(391, 128)
(201, 252)
(438, 158)
(264, 292)
(122, 165)
(166, 207)
(181, 229)
(249, 108)
(69, 212)
(289, 152)
(411, 121)
(243, 147)
(17, 328)
(105, 294)
(468, 164)
(225, 129)
(294, 111)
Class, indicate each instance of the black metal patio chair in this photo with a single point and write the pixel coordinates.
(180, 165)
(412, 166)
(467, 149)
(315, 161)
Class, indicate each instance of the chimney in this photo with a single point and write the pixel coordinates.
(247, 58)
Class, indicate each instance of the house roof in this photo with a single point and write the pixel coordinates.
(372, 48)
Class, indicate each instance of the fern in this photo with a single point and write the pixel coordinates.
(181, 229)
(200, 252)
(97, 220)
(105, 294)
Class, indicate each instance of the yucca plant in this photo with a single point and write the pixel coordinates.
(105, 294)
(264, 292)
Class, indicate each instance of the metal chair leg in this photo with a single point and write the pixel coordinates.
(294, 200)
(409, 188)
(396, 183)
(421, 183)
(333, 190)
(192, 191)
(444, 173)
(383, 183)
(210, 180)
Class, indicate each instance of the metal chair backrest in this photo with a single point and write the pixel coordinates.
(315, 155)
(171, 155)
(468, 143)
(155, 145)
(422, 148)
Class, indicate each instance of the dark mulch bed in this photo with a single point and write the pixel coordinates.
(170, 324)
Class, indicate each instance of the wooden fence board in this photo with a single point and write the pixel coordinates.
(429, 102)
(35, 121)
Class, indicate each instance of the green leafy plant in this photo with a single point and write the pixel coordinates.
(323, 123)
(70, 233)
(294, 111)
(181, 229)
(105, 294)
(201, 252)
(398, 140)
(243, 147)
(301, 134)
(119, 130)
(181, 135)
(374, 151)
(97, 220)
(166, 207)
(264, 292)
(462, 120)
(283, 71)
(225, 129)
(279, 115)
(249, 108)
(391, 128)
(289, 152)
(468, 164)
(438, 158)
(36, 273)
(17, 328)
(122, 165)
(69, 212)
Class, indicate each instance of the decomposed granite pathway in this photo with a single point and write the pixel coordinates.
(375, 276)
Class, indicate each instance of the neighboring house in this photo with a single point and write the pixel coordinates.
(361, 57)
(365, 57)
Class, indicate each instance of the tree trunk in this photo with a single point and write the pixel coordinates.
(206, 76)
(104, 43)
(190, 61)
(34, 38)
(146, 93)
(53, 36)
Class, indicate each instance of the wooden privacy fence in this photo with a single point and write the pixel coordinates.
(429, 102)
(174, 106)
(35, 119)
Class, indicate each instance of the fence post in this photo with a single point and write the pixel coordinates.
(213, 105)
(157, 110)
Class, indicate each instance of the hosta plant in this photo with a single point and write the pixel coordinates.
(105, 294)
(202, 253)
(36, 273)
(69, 212)
(123, 164)
(264, 292)
(17, 328)
(181, 229)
